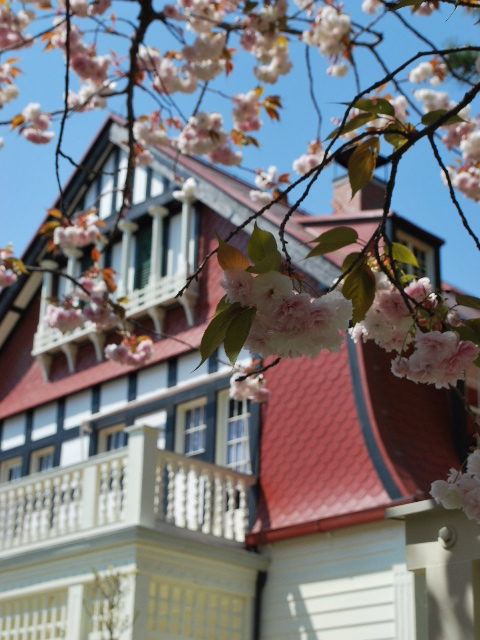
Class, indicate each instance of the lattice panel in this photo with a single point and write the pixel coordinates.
(39, 617)
(177, 611)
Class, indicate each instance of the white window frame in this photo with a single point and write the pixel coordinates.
(105, 433)
(36, 457)
(7, 465)
(413, 243)
(181, 431)
(221, 458)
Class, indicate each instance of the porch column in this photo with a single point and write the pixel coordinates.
(47, 290)
(187, 212)
(157, 250)
(128, 229)
(73, 256)
(142, 463)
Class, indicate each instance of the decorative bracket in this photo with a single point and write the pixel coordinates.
(45, 361)
(97, 338)
(157, 314)
(70, 349)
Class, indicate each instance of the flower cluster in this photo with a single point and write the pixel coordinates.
(330, 32)
(38, 124)
(287, 323)
(243, 387)
(461, 490)
(308, 161)
(83, 232)
(8, 91)
(65, 318)
(7, 276)
(435, 356)
(132, 351)
(264, 180)
(204, 135)
(246, 111)
(12, 27)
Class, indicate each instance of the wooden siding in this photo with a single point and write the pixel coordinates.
(337, 586)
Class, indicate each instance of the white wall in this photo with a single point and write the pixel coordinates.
(77, 409)
(13, 432)
(350, 584)
(151, 380)
(44, 421)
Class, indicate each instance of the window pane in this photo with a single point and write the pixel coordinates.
(195, 431)
(238, 453)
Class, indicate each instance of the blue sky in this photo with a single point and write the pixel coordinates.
(28, 172)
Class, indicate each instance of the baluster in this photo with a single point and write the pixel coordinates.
(37, 512)
(218, 507)
(46, 504)
(56, 503)
(19, 513)
(27, 523)
(10, 519)
(183, 497)
(74, 515)
(207, 504)
(241, 525)
(64, 502)
(115, 496)
(159, 498)
(170, 493)
(103, 493)
(230, 511)
(193, 479)
(123, 483)
(3, 517)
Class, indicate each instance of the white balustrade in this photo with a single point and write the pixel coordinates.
(136, 485)
(158, 293)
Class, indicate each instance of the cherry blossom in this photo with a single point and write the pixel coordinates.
(83, 232)
(462, 489)
(243, 387)
(36, 124)
(132, 351)
(64, 319)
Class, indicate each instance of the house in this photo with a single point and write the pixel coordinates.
(228, 520)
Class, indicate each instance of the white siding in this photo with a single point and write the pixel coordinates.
(75, 450)
(158, 420)
(139, 185)
(116, 263)
(44, 421)
(338, 586)
(174, 245)
(122, 174)
(77, 409)
(114, 393)
(186, 366)
(151, 380)
(157, 187)
(105, 204)
(13, 432)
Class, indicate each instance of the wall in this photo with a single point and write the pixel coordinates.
(343, 585)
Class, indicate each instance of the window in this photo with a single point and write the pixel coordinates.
(191, 429)
(143, 258)
(11, 470)
(112, 438)
(424, 254)
(233, 441)
(41, 460)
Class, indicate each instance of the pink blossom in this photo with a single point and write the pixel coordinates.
(252, 388)
(65, 320)
(7, 277)
(293, 313)
(238, 284)
(130, 352)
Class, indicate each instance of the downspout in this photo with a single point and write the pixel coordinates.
(257, 611)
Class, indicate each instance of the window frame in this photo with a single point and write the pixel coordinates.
(180, 426)
(223, 418)
(104, 434)
(7, 465)
(36, 456)
(412, 243)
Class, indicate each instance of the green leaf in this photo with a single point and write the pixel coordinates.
(470, 331)
(432, 116)
(378, 106)
(332, 240)
(262, 250)
(229, 257)
(359, 287)
(393, 135)
(406, 3)
(362, 163)
(237, 333)
(468, 301)
(249, 6)
(351, 125)
(216, 331)
(401, 253)
(351, 259)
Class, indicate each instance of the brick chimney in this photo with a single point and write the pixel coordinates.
(370, 197)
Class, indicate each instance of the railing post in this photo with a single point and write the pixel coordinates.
(142, 462)
(90, 496)
(75, 622)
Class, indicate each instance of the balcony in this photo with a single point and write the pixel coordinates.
(151, 300)
(138, 485)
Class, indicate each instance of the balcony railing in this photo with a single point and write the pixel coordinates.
(136, 485)
(156, 295)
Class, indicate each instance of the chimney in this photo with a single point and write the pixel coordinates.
(371, 197)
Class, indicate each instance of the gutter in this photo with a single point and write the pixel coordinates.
(324, 525)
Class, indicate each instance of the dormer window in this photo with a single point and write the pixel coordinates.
(425, 255)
